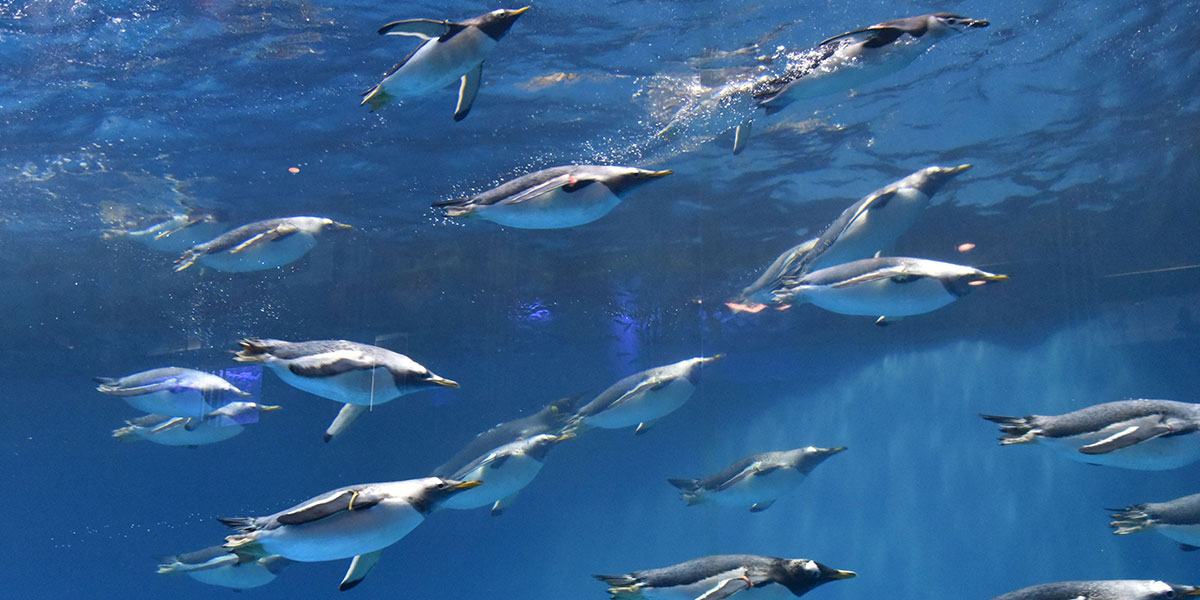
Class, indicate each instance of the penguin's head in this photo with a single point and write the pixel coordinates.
(629, 178)
(436, 490)
(953, 22)
(497, 23)
(964, 279)
(1161, 590)
(538, 446)
(801, 575)
(330, 223)
(931, 179)
(811, 456)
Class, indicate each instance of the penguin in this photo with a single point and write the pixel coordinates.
(867, 227)
(550, 419)
(217, 426)
(357, 375)
(852, 59)
(722, 576)
(1148, 435)
(891, 287)
(1128, 589)
(343, 523)
(505, 471)
(260, 245)
(173, 233)
(642, 398)
(755, 481)
(170, 391)
(554, 198)
(1178, 519)
(217, 566)
(449, 52)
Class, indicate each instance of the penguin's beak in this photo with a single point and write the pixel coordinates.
(976, 22)
(465, 485)
(991, 277)
(657, 174)
(342, 225)
(442, 381)
(268, 407)
(517, 12)
(958, 169)
(838, 574)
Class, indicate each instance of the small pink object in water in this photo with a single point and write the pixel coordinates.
(977, 282)
(293, 170)
(750, 308)
(967, 247)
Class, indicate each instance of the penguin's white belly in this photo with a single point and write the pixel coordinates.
(344, 535)
(644, 406)
(555, 209)
(184, 403)
(205, 433)
(1184, 534)
(758, 488)
(882, 297)
(436, 65)
(853, 66)
(498, 483)
(695, 590)
(240, 577)
(262, 256)
(365, 387)
(875, 230)
(1158, 454)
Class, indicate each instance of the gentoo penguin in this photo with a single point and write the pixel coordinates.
(888, 287)
(868, 226)
(173, 233)
(1149, 435)
(260, 245)
(1178, 519)
(1128, 589)
(550, 419)
(505, 471)
(852, 59)
(553, 198)
(217, 566)
(755, 481)
(218, 426)
(170, 391)
(722, 576)
(642, 398)
(343, 523)
(449, 52)
(357, 375)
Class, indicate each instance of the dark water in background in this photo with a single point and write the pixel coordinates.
(1080, 121)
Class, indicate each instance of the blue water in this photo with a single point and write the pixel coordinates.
(1080, 120)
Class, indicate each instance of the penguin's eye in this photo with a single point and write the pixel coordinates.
(441, 486)
(951, 21)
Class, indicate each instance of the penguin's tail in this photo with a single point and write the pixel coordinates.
(170, 564)
(689, 490)
(186, 260)
(458, 207)
(242, 524)
(126, 434)
(1131, 520)
(107, 384)
(574, 426)
(621, 587)
(376, 98)
(1017, 430)
(617, 580)
(253, 350)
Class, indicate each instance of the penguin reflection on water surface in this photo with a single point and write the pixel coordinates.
(260, 245)
(1178, 519)
(170, 391)
(888, 287)
(450, 52)
(504, 472)
(217, 566)
(722, 576)
(357, 375)
(171, 233)
(1103, 590)
(642, 398)
(755, 481)
(554, 198)
(217, 426)
(1150, 435)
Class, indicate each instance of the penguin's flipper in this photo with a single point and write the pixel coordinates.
(761, 506)
(877, 35)
(346, 416)
(726, 588)
(271, 235)
(359, 567)
(1127, 437)
(741, 136)
(639, 389)
(162, 385)
(1188, 547)
(425, 29)
(502, 504)
(550, 185)
(170, 424)
(169, 232)
(748, 471)
(345, 500)
(467, 91)
(873, 276)
(328, 364)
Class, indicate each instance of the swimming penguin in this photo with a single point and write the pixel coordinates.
(550, 419)
(553, 198)
(722, 576)
(343, 523)
(1178, 519)
(852, 59)
(217, 426)
(1103, 590)
(170, 391)
(217, 566)
(260, 245)
(868, 226)
(1149, 435)
(642, 398)
(755, 481)
(174, 233)
(357, 375)
(450, 52)
(505, 471)
(888, 287)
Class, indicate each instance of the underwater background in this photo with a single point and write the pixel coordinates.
(1081, 122)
